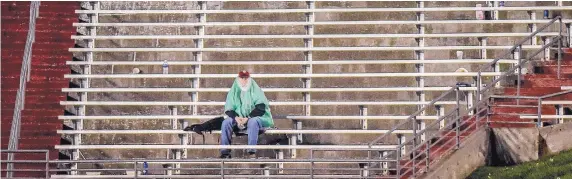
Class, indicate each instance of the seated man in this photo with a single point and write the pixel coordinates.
(246, 108)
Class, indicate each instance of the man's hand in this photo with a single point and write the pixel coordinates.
(241, 120)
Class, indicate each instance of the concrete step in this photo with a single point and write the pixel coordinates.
(553, 69)
(546, 110)
(35, 112)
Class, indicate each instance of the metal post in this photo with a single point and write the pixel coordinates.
(280, 155)
(559, 45)
(422, 127)
(457, 119)
(539, 122)
(48, 164)
(384, 165)
(427, 153)
(440, 113)
(518, 56)
(293, 140)
(198, 55)
(175, 126)
(135, 168)
(560, 111)
(309, 44)
(546, 40)
(414, 145)
(401, 141)
(365, 170)
(363, 112)
(470, 102)
(496, 12)
(532, 27)
(420, 56)
(266, 170)
(483, 43)
(569, 35)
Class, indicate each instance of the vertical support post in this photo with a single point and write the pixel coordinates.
(539, 115)
(363, 112)
(365, 170)
(559, 44)
(85, 83)
(569, 35)
(280, 156)
(175, 126)
(496, 12)
(384, 165)
(422, 125)
(420, 55)
(560, 111)
(198, 55)
(309, 44)
(401, 141)
(440, 112)
(266, 170)
(483, 43)
(546, 40)
(428, 155)
(470, 102)
(532, 27)
(414, 145)
(293, 139)
(518, 56)
(457, 119)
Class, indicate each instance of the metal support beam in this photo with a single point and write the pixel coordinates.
(198, 56)
(363, 112)
(532, 28)
(280, 166)
(400, 140)
(420, 55)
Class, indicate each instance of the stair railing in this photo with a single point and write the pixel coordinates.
(452, 125)
(24, 78)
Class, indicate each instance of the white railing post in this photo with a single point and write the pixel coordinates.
(294, 138)
(421, 126)
(175, 126)
(363, 112)
(546, 40)
(470, 102)
(560, 111)
(280, 155)
(440, 112)
(420, 55)
(199, 44)
(532, 27)
(496, 12)
(384, 165)
(401, 140)
(569, 34)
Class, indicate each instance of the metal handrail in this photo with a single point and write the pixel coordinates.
(24, 78)
(479, 100)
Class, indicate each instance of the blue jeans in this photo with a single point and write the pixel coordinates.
(252, 128)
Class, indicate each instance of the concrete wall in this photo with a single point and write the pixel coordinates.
(279, 112)
(471, 155)
(502, 146)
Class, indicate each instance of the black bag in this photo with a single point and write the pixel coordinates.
(210, 125)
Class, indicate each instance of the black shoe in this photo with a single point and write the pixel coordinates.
(251, 155)
(225, 156)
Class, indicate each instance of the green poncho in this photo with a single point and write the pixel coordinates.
(243, 102)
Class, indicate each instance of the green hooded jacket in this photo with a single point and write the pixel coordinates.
(244, 101)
